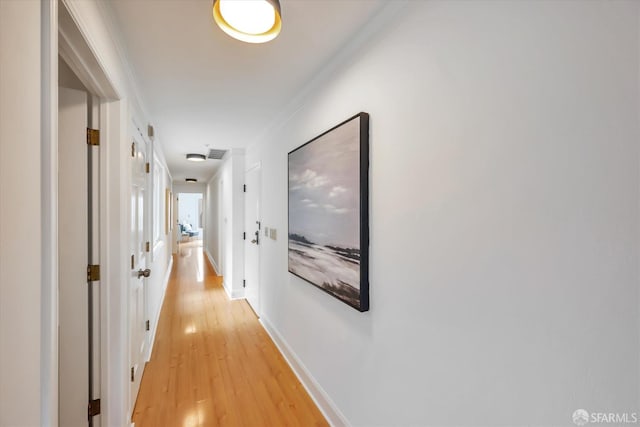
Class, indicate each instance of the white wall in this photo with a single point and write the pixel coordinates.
(212, 222)
(504, 210)
(186, 187)
(223, 235)
(21, 266)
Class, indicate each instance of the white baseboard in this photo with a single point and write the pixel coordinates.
(233, 295)
(165, 282)
(328, 408)
(212, 261)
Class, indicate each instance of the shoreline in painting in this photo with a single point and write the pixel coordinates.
(333, 268)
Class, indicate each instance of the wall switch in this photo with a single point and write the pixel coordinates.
(273, 234)
(266, 231)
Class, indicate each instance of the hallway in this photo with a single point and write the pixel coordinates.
(213, 363)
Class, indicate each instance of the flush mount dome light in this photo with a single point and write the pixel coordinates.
(191, 180)
(196, 157)
(251, 21)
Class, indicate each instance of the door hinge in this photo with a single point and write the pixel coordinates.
(244, 235)
(150, 131)
(147, 167)
(244, 283)
(132, 263)
(133, 149)
(147, 246)
(244, 188)
(147, 325)
(93, 137)
(133, 375)
(94, 408)
(93, 273)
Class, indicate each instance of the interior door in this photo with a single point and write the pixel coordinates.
(73, 238)
(139, 271)
(254, 237)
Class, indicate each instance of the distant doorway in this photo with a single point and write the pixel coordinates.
(190, 217)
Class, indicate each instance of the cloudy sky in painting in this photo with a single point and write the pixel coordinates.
(324, 194)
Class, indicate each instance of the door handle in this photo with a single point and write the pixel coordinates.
(146, 273)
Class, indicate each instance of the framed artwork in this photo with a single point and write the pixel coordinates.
(329, 211)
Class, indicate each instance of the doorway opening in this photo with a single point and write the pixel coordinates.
(190, 218)
(79, 332)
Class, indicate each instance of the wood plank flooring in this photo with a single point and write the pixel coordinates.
(213, 363)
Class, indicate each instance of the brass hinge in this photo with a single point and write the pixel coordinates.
(93, 273)
(133, 376)
(147, 325)
(150, 131)
(147, 246)
(133, 149)
(132, 264)
(94, 408)
(147, 167)
(93, 137)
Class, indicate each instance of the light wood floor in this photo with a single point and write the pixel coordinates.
(213, 363)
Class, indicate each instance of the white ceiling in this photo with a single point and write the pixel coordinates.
(205, 89)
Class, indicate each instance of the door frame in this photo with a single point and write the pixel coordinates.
(256, 166)
(184, 190)
(65, 31)
(138, 137)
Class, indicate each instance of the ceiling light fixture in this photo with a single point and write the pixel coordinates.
(196, 157)
(191, 180)
(251, 21)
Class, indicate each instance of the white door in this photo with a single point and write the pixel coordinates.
(137, 280)
(254, 238)
(73, 237)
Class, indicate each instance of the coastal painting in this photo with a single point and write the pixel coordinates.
(328, 211)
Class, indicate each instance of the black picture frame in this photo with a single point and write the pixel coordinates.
(307, 258)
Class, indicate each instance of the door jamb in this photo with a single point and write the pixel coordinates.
(60, 17)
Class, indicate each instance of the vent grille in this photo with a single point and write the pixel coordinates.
(216, 154)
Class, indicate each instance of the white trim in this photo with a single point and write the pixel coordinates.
(77, 50)
(114, 242)
(233, 295)
(165, 282)
(212, 261)
(49, 182)
(328, 408)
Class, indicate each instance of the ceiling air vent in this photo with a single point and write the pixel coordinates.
(216, 154)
